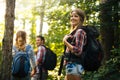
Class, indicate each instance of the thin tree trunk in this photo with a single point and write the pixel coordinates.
(41, 22)
(8, 40)
(42, 15)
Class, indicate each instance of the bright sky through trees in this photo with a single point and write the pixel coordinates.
(21, 12)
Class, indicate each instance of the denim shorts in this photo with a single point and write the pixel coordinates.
(75, 69)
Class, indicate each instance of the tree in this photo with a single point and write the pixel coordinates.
(44, 6)
(109, 25)
(42, 15)
(8, 40)
(110, 35)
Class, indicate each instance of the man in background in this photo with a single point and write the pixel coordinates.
(41, 73)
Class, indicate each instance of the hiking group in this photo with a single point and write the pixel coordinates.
(82, 52)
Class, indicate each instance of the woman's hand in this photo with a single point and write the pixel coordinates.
(66, 37)
(69, 46)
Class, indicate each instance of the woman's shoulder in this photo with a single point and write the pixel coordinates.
(28, 47)
(15, 48)
(81, 31)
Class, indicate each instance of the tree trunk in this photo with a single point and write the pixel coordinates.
(107, 28)
(42, 15)
(8, 40)
(116, 18)
(41, 22)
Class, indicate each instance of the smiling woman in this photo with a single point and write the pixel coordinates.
(72, 62)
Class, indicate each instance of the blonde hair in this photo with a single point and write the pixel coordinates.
(21, 34)
(81, 15)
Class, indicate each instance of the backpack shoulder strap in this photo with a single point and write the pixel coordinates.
(27, 48)
(82, 27)
(15, 49)
(44, 47)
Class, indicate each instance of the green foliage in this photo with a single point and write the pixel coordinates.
(1, 32)
(59, 26)
(110, 70)
(58, 20)
(0, 59)
(112, 67)
(1, 37)
(33, 32)
(0, 53)
(91, 9)
(69, 2)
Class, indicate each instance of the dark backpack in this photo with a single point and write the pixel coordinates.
(92, 55)
(50, 59)
(21, 63)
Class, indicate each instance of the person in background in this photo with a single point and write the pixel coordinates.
(41, 73)
(20, 45)
(72, 63)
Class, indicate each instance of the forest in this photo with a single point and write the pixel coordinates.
(50, 18)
